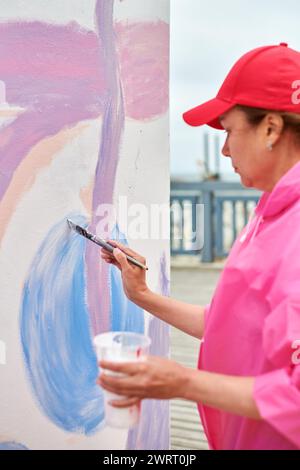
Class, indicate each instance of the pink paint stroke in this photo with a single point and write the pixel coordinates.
(143, 50)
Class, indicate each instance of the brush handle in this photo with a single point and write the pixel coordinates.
(110, 248)
(101, 242)
(136, 262)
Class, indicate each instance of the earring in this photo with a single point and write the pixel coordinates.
(270, 146)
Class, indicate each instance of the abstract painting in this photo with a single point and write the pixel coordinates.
(83, 124)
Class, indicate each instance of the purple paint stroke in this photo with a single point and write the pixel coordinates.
(54, 72)
(153, 430)
(113, 124)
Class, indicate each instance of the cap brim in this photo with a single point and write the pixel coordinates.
(207, 113)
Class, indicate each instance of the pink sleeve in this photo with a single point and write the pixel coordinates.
(277, 393)
(206, 314)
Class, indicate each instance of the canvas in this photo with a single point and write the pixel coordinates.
(83, 126)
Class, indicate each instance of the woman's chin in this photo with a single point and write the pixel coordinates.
(247, 182)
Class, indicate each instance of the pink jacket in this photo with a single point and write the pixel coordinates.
(253, 322)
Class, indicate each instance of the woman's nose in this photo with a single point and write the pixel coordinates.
(225, 149)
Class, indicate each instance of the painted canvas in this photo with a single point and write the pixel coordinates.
(83, 127)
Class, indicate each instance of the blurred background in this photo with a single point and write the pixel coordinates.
(207, 37)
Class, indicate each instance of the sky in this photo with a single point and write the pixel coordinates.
(207, 38)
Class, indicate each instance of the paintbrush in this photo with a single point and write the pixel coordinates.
(101, 242)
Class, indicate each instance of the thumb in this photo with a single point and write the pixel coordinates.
(121, 258)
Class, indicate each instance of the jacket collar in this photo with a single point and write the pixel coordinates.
(283, 195)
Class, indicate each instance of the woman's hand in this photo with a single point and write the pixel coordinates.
(160, 378)
(153, 377)
(133, 277)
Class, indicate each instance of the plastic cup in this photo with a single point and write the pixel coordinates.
(120, 347)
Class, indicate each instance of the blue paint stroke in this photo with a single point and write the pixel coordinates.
(12, 446)
(125, 315)
(55, 329)
(55, 333)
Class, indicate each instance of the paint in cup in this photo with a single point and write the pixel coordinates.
(120, 347)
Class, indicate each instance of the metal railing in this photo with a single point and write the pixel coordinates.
(225, 210)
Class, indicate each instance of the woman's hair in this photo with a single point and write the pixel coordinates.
(291, 121)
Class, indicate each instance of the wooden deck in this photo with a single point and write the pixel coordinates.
(193, 286)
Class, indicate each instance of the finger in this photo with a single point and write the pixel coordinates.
(107, 254)
(124, 386)
(121, 259)
(113, 384)
(127, 250)
(129, 368)
(107, 257)
(111, 260)
(114, 263)
(124, 403)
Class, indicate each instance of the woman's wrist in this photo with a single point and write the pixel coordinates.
(187, 385)
(141, 295)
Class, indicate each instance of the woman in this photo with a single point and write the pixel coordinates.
(247, 385)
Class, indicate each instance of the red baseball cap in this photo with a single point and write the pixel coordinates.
(265, 77)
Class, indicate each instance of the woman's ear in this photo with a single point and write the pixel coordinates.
(274, 125)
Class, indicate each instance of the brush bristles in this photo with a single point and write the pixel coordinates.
(71, 224)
